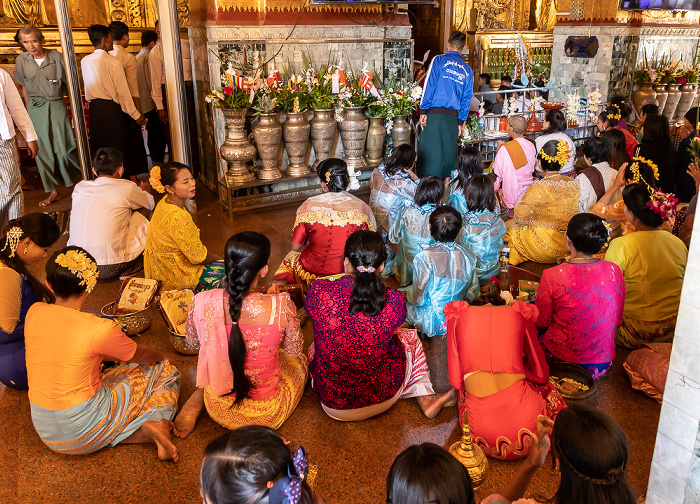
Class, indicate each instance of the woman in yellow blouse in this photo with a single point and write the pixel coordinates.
(174, 253)
(653, 265)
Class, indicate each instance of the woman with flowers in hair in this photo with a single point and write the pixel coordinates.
(610, 118)
(538, 230)
(76, 409)
(25, 242)
(174, 252)
(652, 263)
(322, 225)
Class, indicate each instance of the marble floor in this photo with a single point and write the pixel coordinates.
(352, 458)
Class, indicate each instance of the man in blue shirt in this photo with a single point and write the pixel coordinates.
(449, 87)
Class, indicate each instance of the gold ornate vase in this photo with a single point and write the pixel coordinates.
(643, 92)
(296, 140)
(236, 149)
(401, 132)
(353, 133)
(688, 94)
(661, 96)
(674, 96)
(267, 132)
(470, 455)
(323, 128)
(375, 140)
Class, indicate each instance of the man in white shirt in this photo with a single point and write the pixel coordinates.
(155, 127)
(598, 177)
(107, 217)
(12, 112)
(114, 119)
(157, 67)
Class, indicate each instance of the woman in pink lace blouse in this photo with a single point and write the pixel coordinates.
(251, 369)
(581, 301)
(360, 364)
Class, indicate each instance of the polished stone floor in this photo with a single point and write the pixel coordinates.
(352, 458)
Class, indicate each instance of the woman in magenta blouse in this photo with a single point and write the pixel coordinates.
(581, 301)
(361, 362)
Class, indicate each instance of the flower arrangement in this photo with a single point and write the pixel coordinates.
(664, 204)
(694, 148)
(81, 266)
(383, 106)
(293, 97)
(154, 180)
(470, 129)
(406, 98)
(645, 75)
(266, 99)
(594, 103)
(353, 94)
(320, 87)
(239, 91)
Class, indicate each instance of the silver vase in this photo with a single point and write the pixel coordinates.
(674, 96)
(401, 132)
(661, 96)
(353, 134)
(296, 140)
(236, 149)
(688, 94)
(323, 127)
(375, 141)
(267, 132)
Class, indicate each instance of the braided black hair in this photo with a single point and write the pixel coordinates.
(365, 249)
(334, 173)
(246, 254)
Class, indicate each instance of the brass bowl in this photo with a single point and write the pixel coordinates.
(181, 345)
(131, 323)
(577, 373)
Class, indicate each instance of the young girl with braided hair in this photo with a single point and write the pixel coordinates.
(362, 362)
(250, 368)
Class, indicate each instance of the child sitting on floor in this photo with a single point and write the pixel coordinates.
(469, 163)
(392, 184)
(410, 229)
(442, 272)
(483, 229)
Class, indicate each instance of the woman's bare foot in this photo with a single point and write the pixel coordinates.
(187, 417)
(159, 433)
(53, 197)
(432, 404)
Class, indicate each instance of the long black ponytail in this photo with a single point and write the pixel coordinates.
(365, 251)
(246, 254)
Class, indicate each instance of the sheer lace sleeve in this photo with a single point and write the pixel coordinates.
(610, 212)
(289, 324)
(190, 329)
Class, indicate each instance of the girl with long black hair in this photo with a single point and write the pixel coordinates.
(360, 364)
(250, 369)
(392, 183)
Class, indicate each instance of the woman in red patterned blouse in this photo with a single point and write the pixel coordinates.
(362, 362)
(323, 224)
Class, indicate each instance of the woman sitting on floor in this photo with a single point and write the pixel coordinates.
(555, 126)
(591, 452)
(611, 210)
(469, 164)
(485, 347)
(250, 368)
(541, 217)
(442, 272)
(254, 465)
(360, 364)
(427, 473)
(76, 409)
(581, 301)
(392, 184)
(482, 228)
(26, 241)
(410, 229)
(652, 263)
(609, 119)
(174, 253)
(322, 225)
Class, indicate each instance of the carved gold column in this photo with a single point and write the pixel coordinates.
(470, 455)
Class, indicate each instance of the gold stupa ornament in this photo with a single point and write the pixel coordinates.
(470, 455)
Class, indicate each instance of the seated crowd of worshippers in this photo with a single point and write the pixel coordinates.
(618, 281)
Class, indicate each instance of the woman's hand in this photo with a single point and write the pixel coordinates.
(620, 178)
(541, 441)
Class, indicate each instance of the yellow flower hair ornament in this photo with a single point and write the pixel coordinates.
(12, 239)
(154, 180)
(81, 266)
(328, 177)
(636, 174)
(563, 154)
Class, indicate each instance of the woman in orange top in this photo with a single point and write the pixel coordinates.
(485, 347)
(76, 409)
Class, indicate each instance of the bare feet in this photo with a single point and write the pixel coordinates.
(187, 417)
(53, 197)
(432, 404)
(159, 433)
